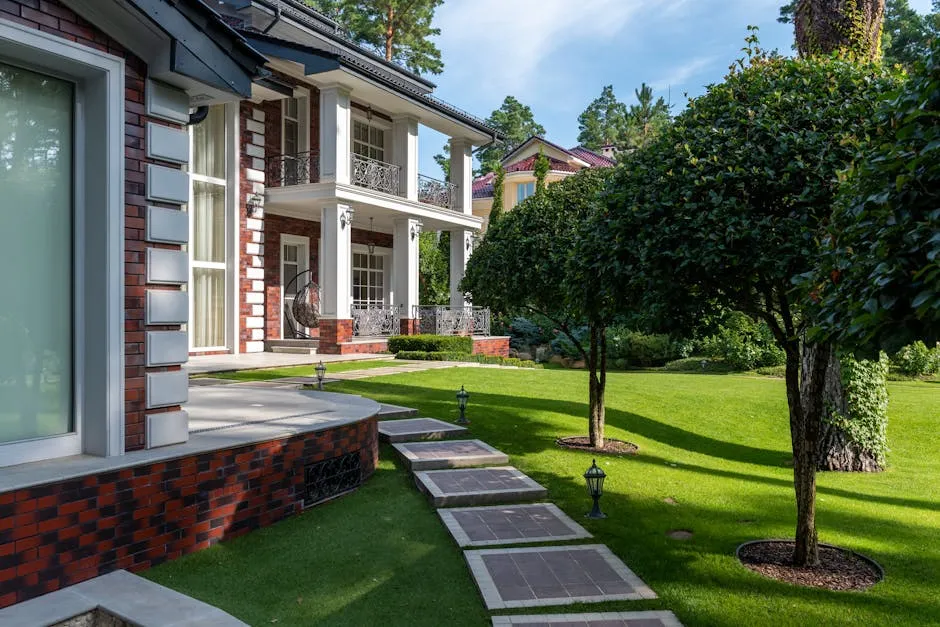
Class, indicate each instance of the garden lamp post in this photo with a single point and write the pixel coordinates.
(595, 476)
(321, 371)
(462, 397)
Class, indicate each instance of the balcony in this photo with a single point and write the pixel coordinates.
(375, 174)
(443, 320)
(297, 169)
(438, 193)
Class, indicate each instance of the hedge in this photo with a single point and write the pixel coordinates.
(467, 357)
(431, 343)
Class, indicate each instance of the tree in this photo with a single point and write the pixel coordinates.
(525, 262)
(540, 169)
(516, 123)
(433, 270)
(496, 209)
(604, 121)
(400, 30)
(847, 26)
(726, 208)
(878, 286)
(644, 119)
(442, 159)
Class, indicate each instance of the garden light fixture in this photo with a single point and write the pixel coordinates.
(595, 476)
(462, 397)
(321, 371)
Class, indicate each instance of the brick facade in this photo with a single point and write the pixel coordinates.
(494, 346)
(55, 535)
(52, 17)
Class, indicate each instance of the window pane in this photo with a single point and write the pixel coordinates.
(290, 137)
(208, 222)
(208, 307)
(209, 144)
(36, 306)
(291, 108)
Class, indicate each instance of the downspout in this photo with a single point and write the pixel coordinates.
(277, 18)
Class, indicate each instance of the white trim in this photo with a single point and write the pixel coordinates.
(291, 240)
(233, 225)
(302, 95)
(381, 123)
(99, 242)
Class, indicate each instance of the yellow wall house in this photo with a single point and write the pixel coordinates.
(519, 182)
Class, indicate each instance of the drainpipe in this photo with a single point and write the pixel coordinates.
(198, 115)
(277, 18)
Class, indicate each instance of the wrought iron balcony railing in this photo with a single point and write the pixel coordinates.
(296, 169)
(435, 192)
(375, 174)
(443, 320)
(375, 320)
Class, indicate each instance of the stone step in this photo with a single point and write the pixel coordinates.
(649, 618)
(510, 524)
(449, 454)
(414, 429)
(311, 343)
(461, 487)
(292, 350)
(395, 411)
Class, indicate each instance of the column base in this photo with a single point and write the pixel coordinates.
(410, 326)
(333, 334)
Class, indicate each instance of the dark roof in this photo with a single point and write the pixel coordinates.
(316, 60)
(596, 160)
(528, 165)
(532, 138)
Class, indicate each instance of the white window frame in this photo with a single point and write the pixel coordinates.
(370, 124)
(302, 94)
(380, 251)
(526, 185)
(291, 240)
(98, 232)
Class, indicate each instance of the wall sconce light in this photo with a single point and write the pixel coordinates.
(416, 228)
(346, 218)
(254, 205)
(468, 242)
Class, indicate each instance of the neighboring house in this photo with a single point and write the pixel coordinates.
(174, 178)
(519, 165)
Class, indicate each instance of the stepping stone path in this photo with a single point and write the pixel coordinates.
(478, 486)
(596, 619)
(412, 429)
(553, 575)
(510, 524)
(484, 509)
(449, 454)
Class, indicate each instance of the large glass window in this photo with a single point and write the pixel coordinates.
(207, 243)
(368, 280)
(368, 141)
(524, 190)
(36, 306)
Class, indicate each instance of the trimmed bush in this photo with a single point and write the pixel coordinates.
(431, 343)
(467, 357)
(694, 364)
(432, 355)
(744, 344)
(916, 360)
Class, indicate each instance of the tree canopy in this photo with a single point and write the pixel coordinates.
(516, 123)
(604, 121)
(645, 119)
(399, 30)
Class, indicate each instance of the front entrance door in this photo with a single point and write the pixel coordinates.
(295, 261)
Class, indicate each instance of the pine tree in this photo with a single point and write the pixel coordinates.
(644, 119)
(604, 121)
(496, 210)
(399, 30)
(516, 123)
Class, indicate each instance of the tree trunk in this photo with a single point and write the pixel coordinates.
(827, 26)
(835, 450)
(597, 368)
(389, 33)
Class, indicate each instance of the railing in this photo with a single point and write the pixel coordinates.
(375, 320)
(296, 169)
(435, 192)
(375, 174)
(443, 320)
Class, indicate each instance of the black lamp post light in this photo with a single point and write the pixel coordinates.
(595, 476)
(462, 397)
(321, 372)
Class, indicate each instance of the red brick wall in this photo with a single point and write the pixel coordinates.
(494, 346)
(52, 17)
(55, 535)
(333, 333)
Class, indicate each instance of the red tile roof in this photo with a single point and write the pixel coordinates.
(483, 186)
(596, 160)
(528, 165)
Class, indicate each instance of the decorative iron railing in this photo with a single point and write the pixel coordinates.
(443, 320)
(435, 192)
(375, 320)
(375, 174)
(296, 169)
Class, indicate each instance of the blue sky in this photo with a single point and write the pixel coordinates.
(556, 55)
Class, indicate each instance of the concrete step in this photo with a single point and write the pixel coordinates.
(449, 454)
(415, 429)
(292, 350)
(462, 487)
(395, 411)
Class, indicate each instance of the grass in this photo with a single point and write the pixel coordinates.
(717, 444)
(267, 374)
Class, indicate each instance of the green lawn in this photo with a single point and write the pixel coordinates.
(716, 444)
(267, 374)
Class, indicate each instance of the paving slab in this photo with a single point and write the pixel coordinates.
(395, 411)
(478, 486)
(197, 382)
(510, 524)
(413, 429)
(449, 454)
(553, 575)
(657, 618)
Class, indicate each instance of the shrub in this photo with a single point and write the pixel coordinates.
(467, 357)
(695, 364)
(916, 360)
(744, 344)
(526, 332)
(431, 343)
(562, 344)
(640, 349)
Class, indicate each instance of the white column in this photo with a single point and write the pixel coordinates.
(461, 173)
(405, 153)
(335, 257)
(461, 245)
(335, 121)
(405, 265)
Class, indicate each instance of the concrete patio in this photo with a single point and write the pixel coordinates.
(202, 364)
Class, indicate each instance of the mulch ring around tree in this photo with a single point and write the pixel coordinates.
(611, 446)
(839, 569)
